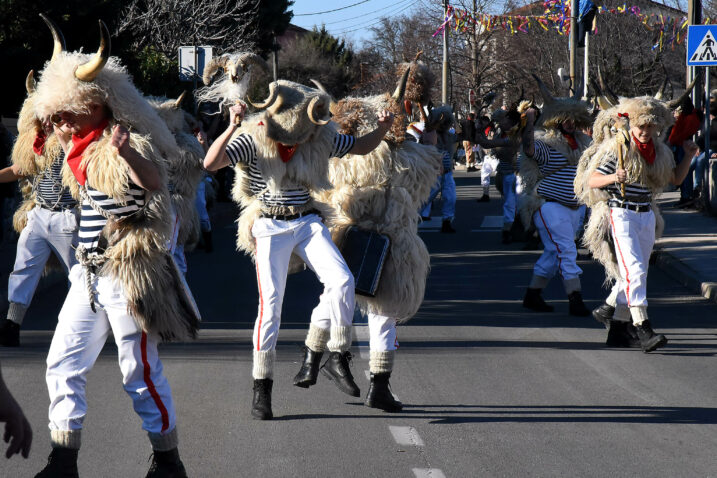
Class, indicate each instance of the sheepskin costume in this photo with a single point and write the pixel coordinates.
(642, 110)
(400, 172)
(136, 252)
(555, 111)
(184, 169)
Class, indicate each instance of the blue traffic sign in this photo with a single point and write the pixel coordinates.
(702, 45)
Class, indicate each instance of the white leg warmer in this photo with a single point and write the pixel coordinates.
(66, 439)
(263, 364)
(639, 315)
(317, 338)
(16, 312)
(166, 442)
(340, 339)
(538, 282)
(381, 362)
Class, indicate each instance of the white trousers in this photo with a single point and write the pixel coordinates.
(78, 340)
(308, 238)
(633, 235)
(46, 232)
(382, 333)
(557, 226)
(490, 165)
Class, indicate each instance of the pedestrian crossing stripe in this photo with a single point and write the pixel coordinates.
(706, 51)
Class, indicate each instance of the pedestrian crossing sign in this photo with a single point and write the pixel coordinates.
(702, 45)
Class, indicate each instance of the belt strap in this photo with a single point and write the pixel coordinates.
(289, 217)
(631, 207)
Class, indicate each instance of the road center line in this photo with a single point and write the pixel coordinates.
(406, 436)
(428, 473)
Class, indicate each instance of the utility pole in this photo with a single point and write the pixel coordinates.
(574, 48)
(275, 47)
(474, 48)
(444, 85)
(694, 17)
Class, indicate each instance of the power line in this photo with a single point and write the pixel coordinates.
(361, 26)
(329, 11)
(366, 14)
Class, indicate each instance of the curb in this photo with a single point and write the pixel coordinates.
(685, 275)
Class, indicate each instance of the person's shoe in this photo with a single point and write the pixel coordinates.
(484, 198)
(425, 218)
(309, 368)
(379, 394)
(649, 340)
(470, 169)
(62, 463)
(166, 464)
(9, 333)
(446, 227)
(604, 314)
(207, 239)
(534, 301)
(621, 334)
(261, 404)
(506, 237)
(336, 369)
(683, 203)
(576, 305)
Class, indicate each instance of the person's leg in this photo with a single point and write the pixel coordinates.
(509, 205)
(425, 211)
(485, 172)
(546, 266)
(449, 202)
(564, 227)
(382, 345)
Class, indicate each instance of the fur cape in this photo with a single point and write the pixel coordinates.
(529, 200)
(598, 237)
(308, 168)
(359, 197)
(136, 252)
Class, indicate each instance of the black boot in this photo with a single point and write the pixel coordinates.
(62, 463)
(379, 394)
(506, 237)
(207, 239)
(649, 340)
(166, 464)
(9, 333)
(447, 227)
(576, 305)
(604, 313)
(484, 198)
(309, 368)
(534, 301)
(621, 334)
(261, 405)
(336, 368)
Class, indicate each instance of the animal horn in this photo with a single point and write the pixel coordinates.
(212, 67)
(612, 97)
(547, 95)
(319, 86)
(418, 55)
(179, 100)
(672, 104)
(247, 59)
(30, 82)
(89, 71)
(273, 93)
(57, 37)
(661, 92)
(401, 88)
(316, 103)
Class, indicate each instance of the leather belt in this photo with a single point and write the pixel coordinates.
(59, 208)
(631, 207)
(290, 217)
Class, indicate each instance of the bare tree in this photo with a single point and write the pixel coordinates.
(228, 25)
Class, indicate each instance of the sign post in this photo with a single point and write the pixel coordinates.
(702, 51)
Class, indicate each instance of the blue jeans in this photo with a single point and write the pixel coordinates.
(446, 185)
(698, 166)
(509, 198)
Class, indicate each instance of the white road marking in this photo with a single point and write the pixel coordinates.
(362, 340)
(428, 473)
(368, 375)
(406, 436)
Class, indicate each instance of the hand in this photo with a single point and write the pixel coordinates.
(690, 148)
(385, 119)
(120, 138)
(713, 155)
(17, 429)
(620, 175)
(236, 113)
(201, 137)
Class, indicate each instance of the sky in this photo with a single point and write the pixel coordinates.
(352, 18)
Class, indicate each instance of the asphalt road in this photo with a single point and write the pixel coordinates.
(490, 389)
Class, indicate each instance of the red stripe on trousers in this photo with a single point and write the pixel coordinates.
(622, 259)
(150, 385)
(261, 299)
(557, 247)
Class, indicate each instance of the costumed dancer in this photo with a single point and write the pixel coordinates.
(47, 219)
(126, 282)
(281, 155)
(380, 192)
(622, 176)
(548, 171)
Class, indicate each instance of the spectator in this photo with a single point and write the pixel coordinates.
(468, 128)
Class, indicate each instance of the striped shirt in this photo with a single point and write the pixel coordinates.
(557, 184)
(92, 222)
(635, 193)
(243, 150)
(49, 189)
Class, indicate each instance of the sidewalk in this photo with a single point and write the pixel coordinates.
(687, 250)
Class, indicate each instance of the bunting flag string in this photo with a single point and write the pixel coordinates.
(668, 30)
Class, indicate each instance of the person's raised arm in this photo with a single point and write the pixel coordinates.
(368, 142)
(680, 172)
(216, 157)
(599, 180)
(486, 143)
(142, 172)
(10, 174)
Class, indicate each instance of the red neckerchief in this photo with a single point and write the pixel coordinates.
(79, 144)
(286, 152)
(38, 146)
(571, 141)
(647, 150)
